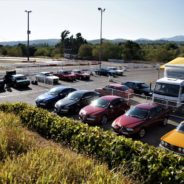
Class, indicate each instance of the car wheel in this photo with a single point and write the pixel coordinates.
(142, 133)
(164, 123)
(104, 120)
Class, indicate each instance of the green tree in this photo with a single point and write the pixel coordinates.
(85, 51)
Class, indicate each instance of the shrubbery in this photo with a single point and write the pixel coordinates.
(140, 160)
(28, 158)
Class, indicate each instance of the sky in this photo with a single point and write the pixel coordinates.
(128, 19)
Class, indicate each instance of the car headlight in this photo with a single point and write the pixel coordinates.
(130, 129)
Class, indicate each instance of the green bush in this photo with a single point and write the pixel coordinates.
(13, 139)
(140, 160)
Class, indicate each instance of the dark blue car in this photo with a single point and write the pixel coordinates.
(105, 72)
(48, 99)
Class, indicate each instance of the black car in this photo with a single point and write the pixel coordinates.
(75, 101)
(49, 98)
(105, 72)
(139, 87)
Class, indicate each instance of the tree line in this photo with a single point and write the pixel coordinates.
(78, 47)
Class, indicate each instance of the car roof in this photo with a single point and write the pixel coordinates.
(138, 82)
(83, 91)
(18, 75)
(116, 85)
(110, 97)
(147, 106)
(61, 87)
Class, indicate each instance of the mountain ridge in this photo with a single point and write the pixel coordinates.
(54, 41)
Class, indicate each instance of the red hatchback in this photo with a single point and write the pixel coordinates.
(116, 89)
(137, 119)
(102, 109)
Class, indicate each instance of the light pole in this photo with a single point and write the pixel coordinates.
(28, 33)
(100, 55)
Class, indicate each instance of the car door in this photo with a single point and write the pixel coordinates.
(162, 114)
(116, 108)
(86, 99)
(153, 117)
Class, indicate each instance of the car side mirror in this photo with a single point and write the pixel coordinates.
(111, 106)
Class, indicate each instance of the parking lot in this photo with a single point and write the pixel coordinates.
(149, 75)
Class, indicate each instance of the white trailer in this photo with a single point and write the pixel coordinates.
(169, 90)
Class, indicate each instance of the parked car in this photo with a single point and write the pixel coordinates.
(19, 80)
(116, 89)
(105, 72)
(139, 87)
(66, 75)
(2, 84)
(75, 101)
(117, 71)
(174, 140)
(103, 109)
(47, 77)
(11, 79)
(139, 118)
(49, 98)
(81, 75)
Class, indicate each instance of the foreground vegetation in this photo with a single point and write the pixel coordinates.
(27, 158)
(139, 160)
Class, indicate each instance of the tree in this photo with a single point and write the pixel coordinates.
(85, 51)
(132, 50)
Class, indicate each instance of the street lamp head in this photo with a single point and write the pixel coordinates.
(28, 11)
(99, 9)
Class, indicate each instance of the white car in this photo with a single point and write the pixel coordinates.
(116, 70)
(47, 77)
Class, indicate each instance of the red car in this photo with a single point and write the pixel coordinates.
(102, 109)
(116, 89)
(137, 119)
(66, 75)
(81, 75)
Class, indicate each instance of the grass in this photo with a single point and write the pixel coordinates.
(28, 158)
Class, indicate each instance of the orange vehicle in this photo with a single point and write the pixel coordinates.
(174, 140)
(116, 89)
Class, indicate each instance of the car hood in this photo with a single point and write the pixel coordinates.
(45, 96)
(174, 138)
(91, 110)
(66, 102)
(128, 121)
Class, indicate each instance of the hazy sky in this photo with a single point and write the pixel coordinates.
(129, 19)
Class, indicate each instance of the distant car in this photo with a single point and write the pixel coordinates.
(66, 75)
(47, 77)
(81, 75)
(139, 87)
(174, 140)
(138, 119)
(116, 89)
(49, 98)
(103, 109)
(2, 84)
(75, 101)
(118, 71)
(19, 80)
(105, 72)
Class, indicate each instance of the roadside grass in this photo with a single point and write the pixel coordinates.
(25, 157)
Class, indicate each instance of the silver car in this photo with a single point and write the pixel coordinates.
(47, 77)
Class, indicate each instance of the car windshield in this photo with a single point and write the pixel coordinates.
(55, 91)
(74, 96)
(47, 74)
(167, 89)
(138, 112)
(180, 127)
(21, 78)
(143, 85)
(67, 72)
(100, 103)
(79, 72)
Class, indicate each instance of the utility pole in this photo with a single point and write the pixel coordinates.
(100, 55)
(28, 33)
